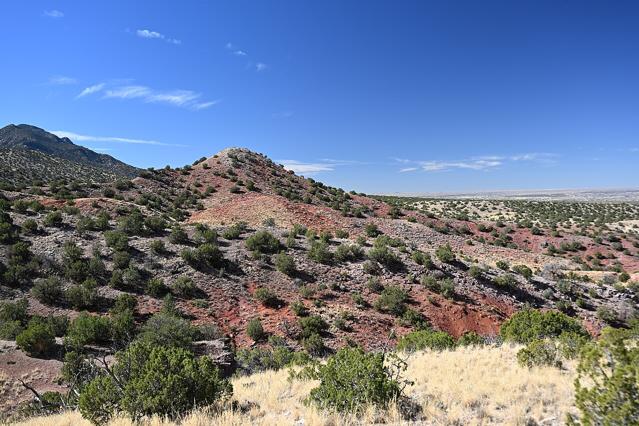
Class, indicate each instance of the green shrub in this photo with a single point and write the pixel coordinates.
(209, 255)
(123, 327)
(371, 230)
(422, 258)
(374, 285)
(530, 324)
(53, 218)
(10, 329)
(312, 325)
(539, 353)
(155, 287)
(475, 271)
(607, 385)
(445, 254)
(607, 314)
(149, 380)
(447, 288)
(299, 309)
(58, 324)
(88, 329)
(158, 247)
(82, 296)
(503, 265)
(48, 291)
(234, 232)
(348, 253)
(14, 311)
(506, 281)
(166, 330)
(261, 359)
(30, 226)
(414, 319)
(340, 233)
(425, 339)
(263, 242)
(178, 235)
(155, 225)
(285, 263)
(523, 270)
(184, 287)
(255, 330)
(470, 338)
(393, 300)
(117, 240)
(385, 256)
(266, 297)
(353, 379)
(320, 253)
(36, 339)
(133, 223)
(121, 259)
(314, 345)
(124, 302)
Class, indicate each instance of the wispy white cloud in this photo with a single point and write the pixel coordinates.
(56, 14)
(76, 137)
(283, 114)
(62, 80)
(204, 105)
(180, 98)
(322, 165)
(156, 35)
(128, 92)
(306, 168)
(235, 50)
(91, 89)
(486, 162)
(434, 166)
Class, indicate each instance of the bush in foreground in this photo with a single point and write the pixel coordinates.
(37, 339)
(425, 339)
(149, 380)
(352, 379)
(607, 385)
(528, 325)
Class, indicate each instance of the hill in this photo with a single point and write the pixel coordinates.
(235, 240)
(29, 153)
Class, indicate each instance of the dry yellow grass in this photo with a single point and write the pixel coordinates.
(469, 386)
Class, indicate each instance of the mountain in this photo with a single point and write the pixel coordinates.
(29, 153)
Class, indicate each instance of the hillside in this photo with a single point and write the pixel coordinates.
(28, 153)
(234, 240)
(489, 389)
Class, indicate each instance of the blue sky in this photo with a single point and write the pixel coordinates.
(376, 96)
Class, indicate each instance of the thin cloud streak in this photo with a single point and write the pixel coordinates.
(306, 168)
(62, 80)
(88, 138)
(179, 98)
(481, 163)
(55, 14)
(283, 114)
(311, 168)
(91, 89)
